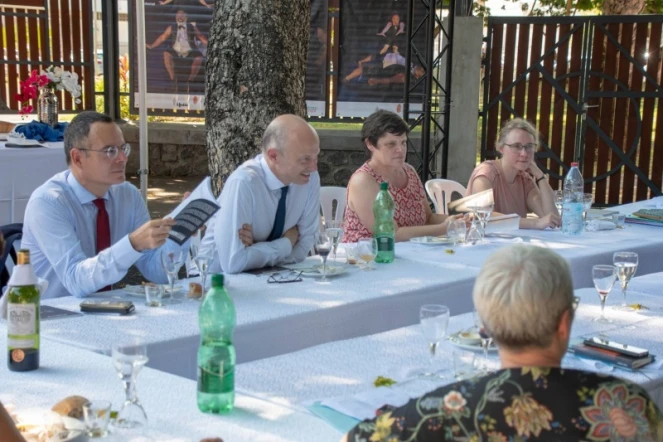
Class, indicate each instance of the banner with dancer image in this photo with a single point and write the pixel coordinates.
(176, 33)
(372, 57)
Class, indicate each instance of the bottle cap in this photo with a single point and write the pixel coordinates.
(217, 280)
(23, 257)
(574, 164)
(384, 185)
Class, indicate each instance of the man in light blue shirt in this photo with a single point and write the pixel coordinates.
(85, 227)
(270, 205)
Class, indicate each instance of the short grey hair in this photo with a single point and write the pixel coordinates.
(78, 130)
(513, 124)
(521, 293)
(276, 136)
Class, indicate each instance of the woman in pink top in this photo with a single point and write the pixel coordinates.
(385, 136)
(518, 184)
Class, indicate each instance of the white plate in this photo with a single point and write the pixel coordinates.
(465, 344)
(139, 290)
(431, 240)
(75, 427)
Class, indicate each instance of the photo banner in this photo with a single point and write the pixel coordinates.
(316, 66)
(176, 33)
(372, 57)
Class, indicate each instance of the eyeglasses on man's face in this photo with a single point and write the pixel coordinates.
(517, 147)
(111, 151)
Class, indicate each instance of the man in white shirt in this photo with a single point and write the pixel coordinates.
(270, 205)
(85, 227)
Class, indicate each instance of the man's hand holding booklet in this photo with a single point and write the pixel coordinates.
(193, 212)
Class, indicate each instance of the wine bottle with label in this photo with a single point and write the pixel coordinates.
(23, 316)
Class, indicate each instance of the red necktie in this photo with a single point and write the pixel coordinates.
(103, 229)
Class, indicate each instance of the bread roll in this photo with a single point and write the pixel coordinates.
(195, 290)
(71, 406)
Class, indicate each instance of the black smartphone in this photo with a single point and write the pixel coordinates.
(121, 307)
(624, 349)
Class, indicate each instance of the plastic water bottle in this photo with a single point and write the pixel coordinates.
(216, 354)
(572, 222)
(384, 229)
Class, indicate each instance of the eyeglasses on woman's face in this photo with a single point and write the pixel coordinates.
(111, 151)
(518, 147)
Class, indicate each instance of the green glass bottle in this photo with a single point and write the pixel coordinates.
(23, 316)
(216, 354)
(384, 229)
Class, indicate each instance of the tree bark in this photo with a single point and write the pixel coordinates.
(256, 70)
(623, 7)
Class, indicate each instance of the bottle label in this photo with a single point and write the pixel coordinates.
(572, 218)
(22, 319)
(385, 244)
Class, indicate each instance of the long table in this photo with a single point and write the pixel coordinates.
(22, 170)
(274, 319)
(348, 368)
(169, 401)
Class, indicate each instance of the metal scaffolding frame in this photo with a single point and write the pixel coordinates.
(436, 59)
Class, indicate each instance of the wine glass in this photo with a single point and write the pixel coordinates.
(203, 261)
(323, 247)
(434, 320)
(368, 250)
(335, 233)
(486, 339)
(626, 264)
(604, 278)
(473, 235)
(172, 260)
(587, 200)
(483, 213)
(128, 359)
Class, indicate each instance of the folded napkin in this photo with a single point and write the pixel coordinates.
(42, 131)
(595, 224)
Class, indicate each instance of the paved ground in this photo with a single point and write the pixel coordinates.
(163, 195)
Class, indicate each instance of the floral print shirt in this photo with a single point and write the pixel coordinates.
(522, 404)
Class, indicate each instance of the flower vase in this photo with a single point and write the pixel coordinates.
(47, 107)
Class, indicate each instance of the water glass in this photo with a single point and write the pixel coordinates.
(619, 220)
(456, 231)
(587, 200)
(128, 359)
(351, 253)
(463, 364)
(97, 415)
(604, 278)
(172, 260)
(433, 319)
(153, 295)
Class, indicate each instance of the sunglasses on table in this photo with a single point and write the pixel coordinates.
(285, 277)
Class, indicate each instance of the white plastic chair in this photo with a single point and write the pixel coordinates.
(440, 192)
(328, 195)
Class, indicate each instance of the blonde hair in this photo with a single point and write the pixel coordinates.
(513, 124)
(521, 293)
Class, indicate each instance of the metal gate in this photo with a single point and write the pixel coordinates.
(592, 87)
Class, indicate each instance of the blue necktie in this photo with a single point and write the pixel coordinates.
(279, 220)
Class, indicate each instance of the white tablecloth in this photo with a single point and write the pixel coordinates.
(346, 368)
(169, 401)
(274, 319)
(22, 170)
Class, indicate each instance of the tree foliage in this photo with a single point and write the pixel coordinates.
(544, 8)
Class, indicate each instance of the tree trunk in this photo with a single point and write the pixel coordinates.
(256, 70)
(623, 7)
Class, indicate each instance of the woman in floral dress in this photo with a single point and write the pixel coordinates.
(524, 297)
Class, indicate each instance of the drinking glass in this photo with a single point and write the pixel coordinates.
(172, 260)
(434, 319)
(473, 235)
(97, 415)
(153, 295)
(483, 213)
(129, 359)
(368, 250)
(322, 247)
(203, 261)
(626, 264)
(559, 200)
(456, 231)
(351, 253)
(587, 200)
(463, 364)
(335, 233)
(604, 278)
(486, 339)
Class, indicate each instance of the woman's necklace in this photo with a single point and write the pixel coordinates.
(509, 184)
